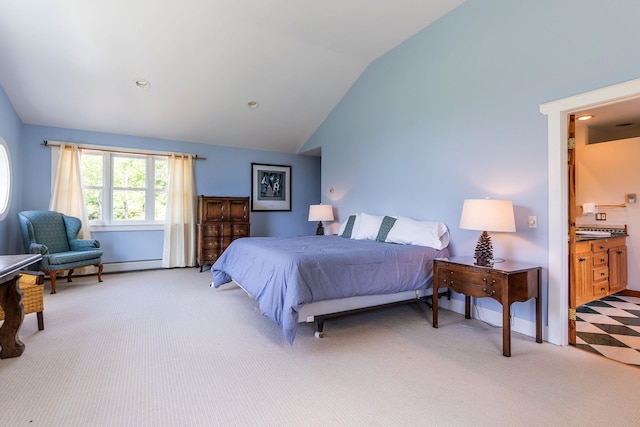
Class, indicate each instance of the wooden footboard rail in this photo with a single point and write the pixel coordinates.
(319, 319)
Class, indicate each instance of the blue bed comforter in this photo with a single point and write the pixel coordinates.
(283, 273)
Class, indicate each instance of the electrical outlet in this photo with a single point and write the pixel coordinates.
(533, 221)
(601, 216)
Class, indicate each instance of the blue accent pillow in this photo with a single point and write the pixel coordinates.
(348, 229)
(387, 223)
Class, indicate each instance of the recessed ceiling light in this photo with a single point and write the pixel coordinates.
(143, 84)
(253, 104)
(587, 117)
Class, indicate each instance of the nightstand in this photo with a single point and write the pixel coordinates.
(506, 282)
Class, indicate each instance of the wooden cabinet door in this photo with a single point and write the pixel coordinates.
(583, 276)
(238, 210)
(213, 210)
(617, 268)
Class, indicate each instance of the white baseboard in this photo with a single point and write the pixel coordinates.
(494, 318)
(119, 267)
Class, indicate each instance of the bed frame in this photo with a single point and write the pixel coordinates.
(319, 311)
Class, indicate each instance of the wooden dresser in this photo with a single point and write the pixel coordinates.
(221, 220)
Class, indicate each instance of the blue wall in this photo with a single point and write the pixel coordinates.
(10, 126)
(225, 172)
(453, 113)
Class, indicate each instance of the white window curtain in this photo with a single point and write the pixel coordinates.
(179, 225)
(67, 196)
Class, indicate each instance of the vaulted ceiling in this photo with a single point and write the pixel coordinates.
(74, 64)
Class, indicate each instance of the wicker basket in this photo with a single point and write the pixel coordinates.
(32, 286)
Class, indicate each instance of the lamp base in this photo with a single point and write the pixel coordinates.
(320, 229)
(484, 250)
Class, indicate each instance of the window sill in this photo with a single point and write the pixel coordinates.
(126, 227)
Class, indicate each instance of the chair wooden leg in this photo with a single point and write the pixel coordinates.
(52, 277)
(99, 272)
(69, 275)
(40, 321)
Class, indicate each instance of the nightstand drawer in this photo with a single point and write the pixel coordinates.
(471, 282)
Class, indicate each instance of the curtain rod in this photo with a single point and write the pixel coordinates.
(47, 143)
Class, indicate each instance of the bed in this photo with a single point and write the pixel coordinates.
(303, 279)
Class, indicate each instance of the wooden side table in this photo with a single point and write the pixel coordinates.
(506, 282)
(11, 302)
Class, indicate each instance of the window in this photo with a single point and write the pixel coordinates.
(5, 179)
(124, 189)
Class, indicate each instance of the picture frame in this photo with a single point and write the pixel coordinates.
(270, 187)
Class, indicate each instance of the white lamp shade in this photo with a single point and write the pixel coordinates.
(320, 213)
(488, 215)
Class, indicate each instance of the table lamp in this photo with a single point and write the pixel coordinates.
(320, 213)
(487, 215)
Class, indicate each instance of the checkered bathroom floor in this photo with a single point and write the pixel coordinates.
(610, 327)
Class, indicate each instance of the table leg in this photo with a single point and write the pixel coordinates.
(506, 330)
(539, 310)
(11, 303)
(467, 307)
(434, 306)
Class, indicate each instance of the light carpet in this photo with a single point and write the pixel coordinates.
(162, 348)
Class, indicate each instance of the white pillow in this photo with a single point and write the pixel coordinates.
(406, 231)
(367, 228)
(342, 227)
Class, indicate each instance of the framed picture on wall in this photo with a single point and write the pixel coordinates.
(270, 187)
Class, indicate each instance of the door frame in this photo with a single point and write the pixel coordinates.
(557, 113)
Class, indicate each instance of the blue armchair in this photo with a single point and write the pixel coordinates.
(55, 237)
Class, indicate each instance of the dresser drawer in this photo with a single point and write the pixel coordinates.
(211, 230)
(211, 243)
(210, 256)
(240, 230)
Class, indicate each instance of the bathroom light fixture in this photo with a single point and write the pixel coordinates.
(487, 215)
(143, 84)
(253, 104)
(586, 117)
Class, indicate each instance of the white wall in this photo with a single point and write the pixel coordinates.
(605, 173)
